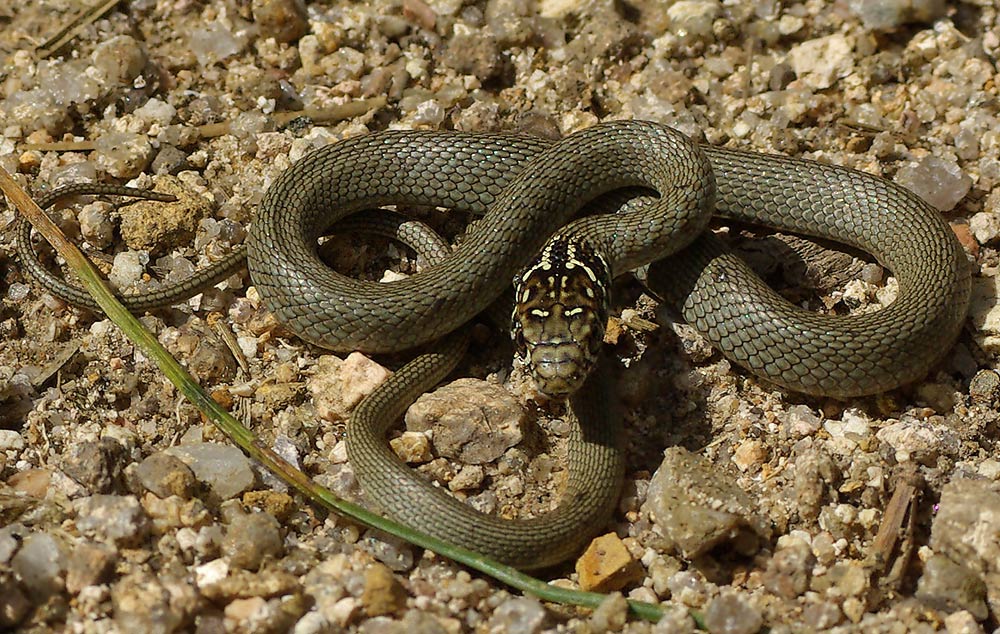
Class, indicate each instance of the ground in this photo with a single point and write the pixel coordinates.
(123, 509)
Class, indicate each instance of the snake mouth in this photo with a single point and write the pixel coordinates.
(558, 369)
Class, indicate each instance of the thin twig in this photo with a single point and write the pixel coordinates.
(73, 28)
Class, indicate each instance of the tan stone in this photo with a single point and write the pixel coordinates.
(607, 565)
(383, 594)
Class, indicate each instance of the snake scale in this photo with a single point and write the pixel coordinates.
(528, 189)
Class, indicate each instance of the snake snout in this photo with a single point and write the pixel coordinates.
(558, 369)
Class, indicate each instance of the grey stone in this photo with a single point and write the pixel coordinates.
(790, 569)
(984, 386)
(940, 182)
(223, 468)
(521, 615)
(948, 586)
(252, 538)
(698, 506)
(886, 15)
(729, 613)
(117, 519)
(967, 523)
(40, 564)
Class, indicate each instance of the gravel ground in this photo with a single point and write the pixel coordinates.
(123, 510)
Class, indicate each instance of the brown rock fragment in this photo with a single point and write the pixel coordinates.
(607, 565)
(383, 594)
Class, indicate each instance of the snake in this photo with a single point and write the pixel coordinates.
(528, 190)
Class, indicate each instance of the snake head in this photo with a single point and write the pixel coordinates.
(561, 313)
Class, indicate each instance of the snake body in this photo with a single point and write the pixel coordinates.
(528, 189)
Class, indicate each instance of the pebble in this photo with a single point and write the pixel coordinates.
(693, 19)
(40, 564)
(471, 421)
(966, 524)
(224, 469)
(11, 440)
(154, 227)
(962, 622)
(920, 441)
(147, 603)
(204, 352)
(344, 611)
(820, 62)
(122, 154)
(985, 226)
(211, 572)
(391, 551)
(169, 160)
(984, 312)
(984, 386)
(251, 539)
(941, 397)
(611, 615)
(887, 15)
(338, 385)
(940, 182)
(697, 506)
(284, 20)
(239, 583)
(164, 475)
(607, 565)
(14, 605)
(801, 421)
(468, 478)
(33, 482)
(852, 428)
(383, 593)
(688, 587)
(729, 613)
(127, 269)
(18, 292)
(275, 503)
(116, 519)
(89, 563)
(750, 454)
(245, 612)
(97, 466)
(989, 469)
(790, 569)
(949, 586)
(96, 225)
(214, 43)
(120, 59)
(675, 620)
(412, 447)
(476, 54)
(965, 238)
(520, 615)
(156, 111)
(822, 616)
(850, 579)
